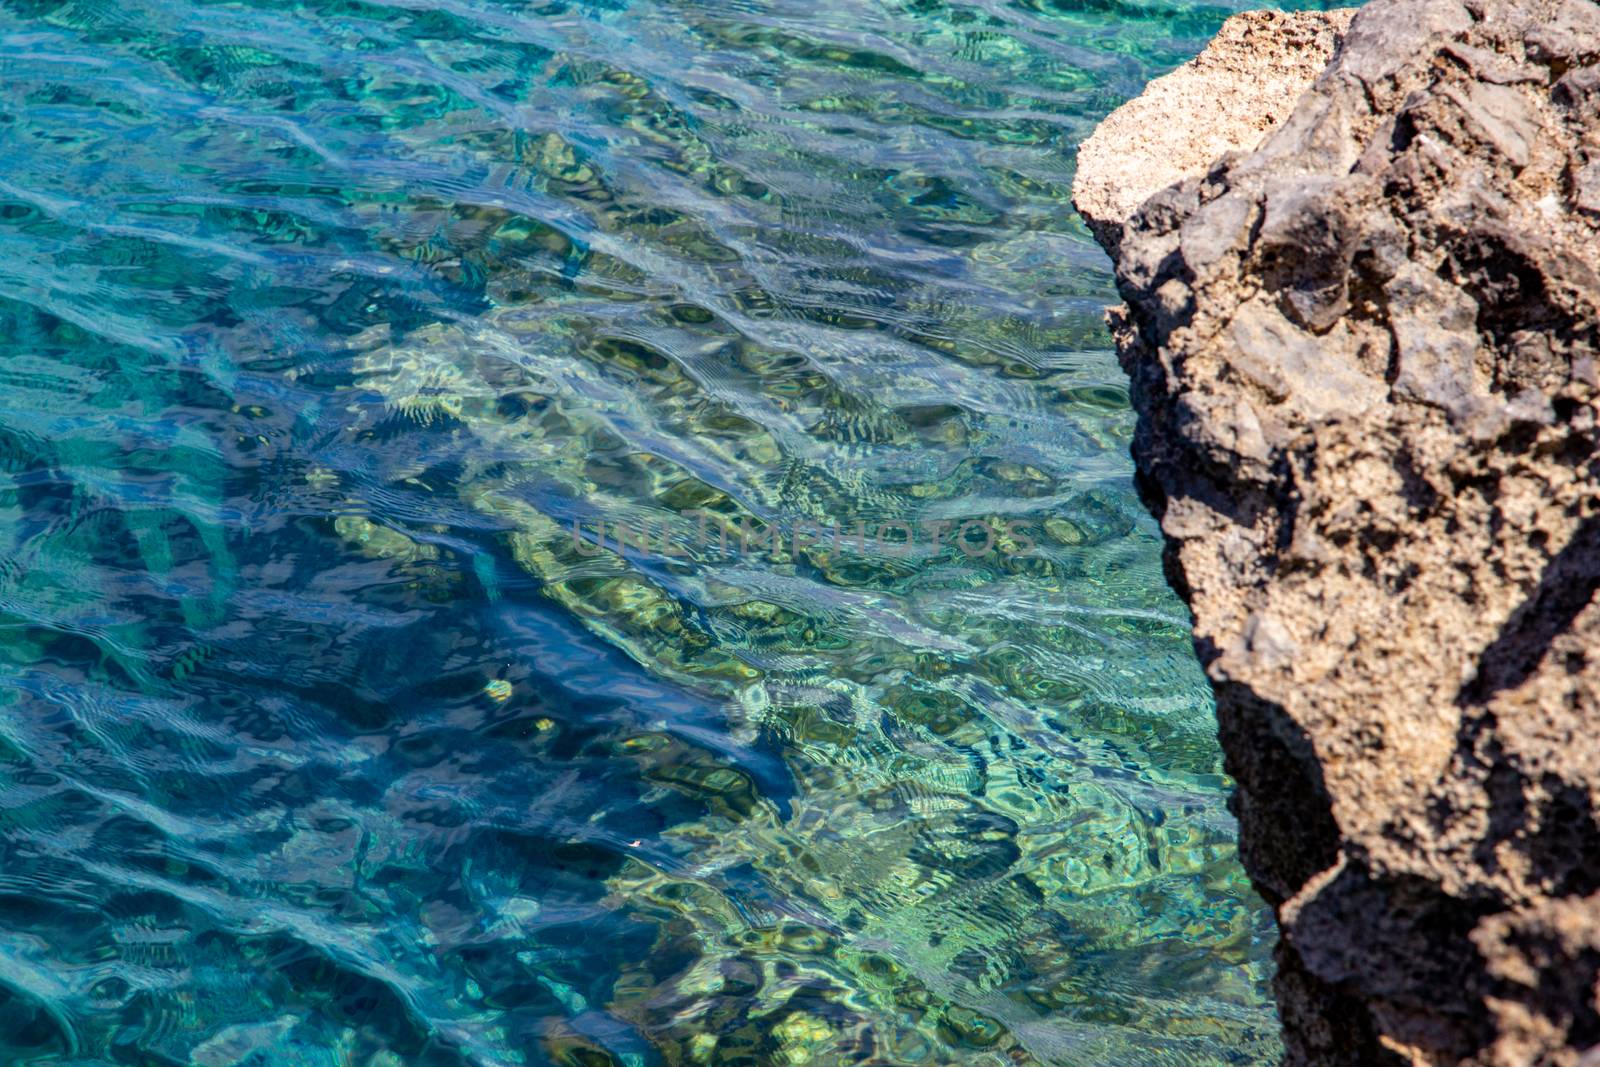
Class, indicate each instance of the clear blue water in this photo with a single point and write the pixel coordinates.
(325, 739)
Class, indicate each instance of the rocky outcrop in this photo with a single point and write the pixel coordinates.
(1224, 100)
(1364, 359)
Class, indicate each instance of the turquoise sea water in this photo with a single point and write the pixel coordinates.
(323, 737)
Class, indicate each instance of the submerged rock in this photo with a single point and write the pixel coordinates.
(1363, 357)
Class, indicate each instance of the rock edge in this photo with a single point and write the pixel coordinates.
(1226, 99)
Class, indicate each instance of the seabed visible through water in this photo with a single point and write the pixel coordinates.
(333, 337)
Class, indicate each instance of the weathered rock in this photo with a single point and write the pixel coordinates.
(1364, 362)
(1225, 99)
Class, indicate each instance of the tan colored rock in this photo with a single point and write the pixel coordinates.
(1364, 359)
(1224, 100)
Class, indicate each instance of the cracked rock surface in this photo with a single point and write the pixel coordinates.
(1226, 99)
(1364, 359)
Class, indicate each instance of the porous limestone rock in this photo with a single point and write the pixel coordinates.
(1225, 99)
(1364, 360)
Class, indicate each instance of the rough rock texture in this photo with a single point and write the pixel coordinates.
(1226, 99)
(1364, 358)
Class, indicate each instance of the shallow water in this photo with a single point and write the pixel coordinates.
(338, 338)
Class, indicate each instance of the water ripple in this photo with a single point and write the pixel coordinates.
(325, 739)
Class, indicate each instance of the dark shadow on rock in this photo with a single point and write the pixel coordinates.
(1286, 826)
(1565, 588)
(1400, 946)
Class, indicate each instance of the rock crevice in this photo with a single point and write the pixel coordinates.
(1362, 339)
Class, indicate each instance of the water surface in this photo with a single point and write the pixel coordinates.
(325, 739)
